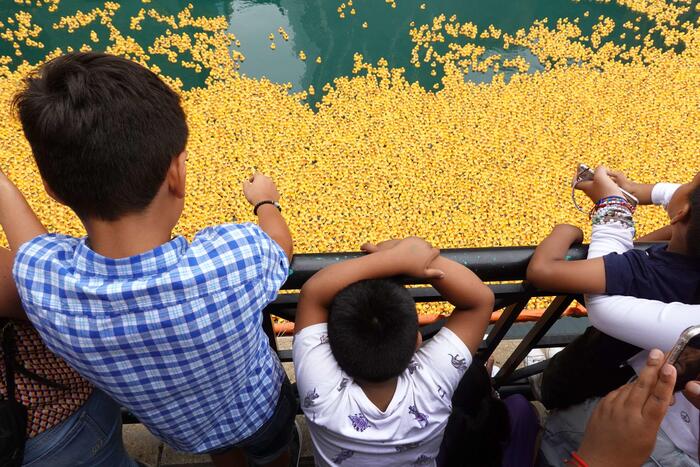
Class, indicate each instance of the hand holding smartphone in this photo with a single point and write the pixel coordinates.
(685, 356)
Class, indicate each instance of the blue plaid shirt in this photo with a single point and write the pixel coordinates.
(173, 334)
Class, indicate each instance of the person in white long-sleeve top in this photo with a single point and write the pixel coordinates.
(662, 273)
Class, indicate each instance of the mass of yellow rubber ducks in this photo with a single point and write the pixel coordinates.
(468, 165)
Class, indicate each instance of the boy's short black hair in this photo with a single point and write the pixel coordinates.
(372, 329)
(103, 131)
(694, 227)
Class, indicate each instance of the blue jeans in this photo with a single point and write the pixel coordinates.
(92, 436)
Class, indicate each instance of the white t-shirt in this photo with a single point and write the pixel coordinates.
(646, 323)
(348, 429)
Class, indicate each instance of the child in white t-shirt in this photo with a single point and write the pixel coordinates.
(372, 392)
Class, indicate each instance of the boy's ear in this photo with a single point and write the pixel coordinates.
(682, 214)
(176, 175)
(51, 193)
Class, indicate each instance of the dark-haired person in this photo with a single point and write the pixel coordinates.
(168, 328)
(669, 273)
(372, 392)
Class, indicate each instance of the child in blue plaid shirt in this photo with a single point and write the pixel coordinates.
(170, 329)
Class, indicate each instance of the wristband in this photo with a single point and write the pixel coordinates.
(577, 460)
(267, 201)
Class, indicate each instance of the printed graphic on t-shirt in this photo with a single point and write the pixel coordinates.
(343, 455)
(343, 384)
(359, 422)
(423, 460)
(311, 396)
(441, 392)
(407, 447)
(459, 362)
(413, 366)
(421, 418)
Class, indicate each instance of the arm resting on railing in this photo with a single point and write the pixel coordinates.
(549, 268)
(645, 323)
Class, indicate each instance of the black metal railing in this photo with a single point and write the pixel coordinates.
(491, 265)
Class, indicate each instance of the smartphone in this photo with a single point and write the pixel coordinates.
(685, 356)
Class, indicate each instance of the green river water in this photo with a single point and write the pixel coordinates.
(315, 27)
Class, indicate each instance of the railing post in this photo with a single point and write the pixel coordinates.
(550, 316)
(500, 329)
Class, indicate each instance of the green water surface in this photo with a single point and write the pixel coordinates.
(315, 27)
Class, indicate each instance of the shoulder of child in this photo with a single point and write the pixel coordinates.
(239, 233)
(46, 245)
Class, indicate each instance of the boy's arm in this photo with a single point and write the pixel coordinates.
(660, 235)
(16, 217)
(549, 269)
(472, 299)
(272, 223)
(20, 225)
(642, 191)
(10, 304)
(411, 256)
(262, 188)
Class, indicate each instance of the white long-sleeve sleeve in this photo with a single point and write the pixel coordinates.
(610, 238)
(647, 324)
(662, 192)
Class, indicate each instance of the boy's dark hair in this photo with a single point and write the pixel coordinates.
(372, 329)
(694, 227)
(103, 131)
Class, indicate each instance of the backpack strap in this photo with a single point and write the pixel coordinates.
(8, 357)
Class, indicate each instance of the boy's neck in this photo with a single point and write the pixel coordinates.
(380, 394)
(130, 235)
(677, 244)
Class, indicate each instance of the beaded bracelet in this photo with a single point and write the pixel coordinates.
(613, 210)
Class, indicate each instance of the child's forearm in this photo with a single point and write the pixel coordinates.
(660, 235)
(325, 284)
(553, 248)
(272, 223)
(16, 217)
(641, 191)
(460, 286)
(472, 299)
(549, 269)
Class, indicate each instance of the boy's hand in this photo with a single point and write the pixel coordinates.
(622, 430)
(414, 256)
(381, 246)
(622, 181)
(260, 188)
(601, 186)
